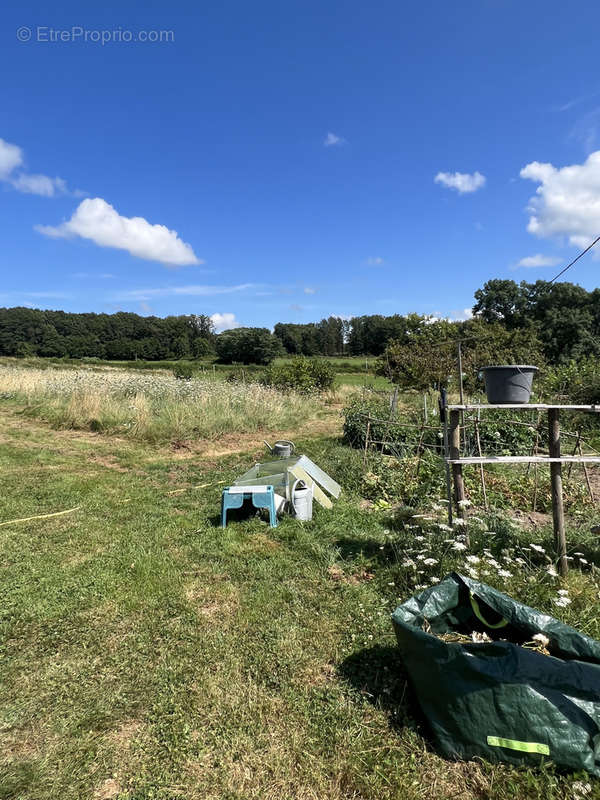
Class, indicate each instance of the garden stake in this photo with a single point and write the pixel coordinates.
(481, 472)
(366, 441)
(587, 475)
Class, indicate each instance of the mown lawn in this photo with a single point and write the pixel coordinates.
(146, 653)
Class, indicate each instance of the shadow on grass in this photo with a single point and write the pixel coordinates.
(373, 549)
(378, 674)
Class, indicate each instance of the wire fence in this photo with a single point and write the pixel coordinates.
(409, 434)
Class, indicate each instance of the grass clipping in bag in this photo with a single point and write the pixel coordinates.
(499, 680)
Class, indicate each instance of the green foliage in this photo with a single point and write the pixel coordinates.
(121, 336)
(408, 481)
(565, 316)
(303, 375)
(428, 358)
(24, 350)
(248, 346)
(577, 381)
(326, 337)
(399, 432)
(183, 371)
(500, 434)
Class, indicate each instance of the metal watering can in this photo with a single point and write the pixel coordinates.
(282, 448)
(301, 501)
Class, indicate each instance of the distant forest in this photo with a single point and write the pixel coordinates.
(561, 321)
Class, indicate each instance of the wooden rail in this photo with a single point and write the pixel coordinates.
(554, 459)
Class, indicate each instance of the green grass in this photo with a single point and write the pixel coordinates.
(152, 407)
(344, 366)
(147, 653)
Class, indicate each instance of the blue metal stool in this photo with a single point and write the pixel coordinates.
(261, 496)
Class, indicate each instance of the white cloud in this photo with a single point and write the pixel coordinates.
(567, 201)
(39, 184)
(188, 291)
(97, 220)
(462, 182)
(331, 140)
(374, 261)
(11, 157)
(538, 260)
(11, 160)
(225, 321)
(456, 315)
(309, 290)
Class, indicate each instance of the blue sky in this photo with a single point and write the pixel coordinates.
(303, 158)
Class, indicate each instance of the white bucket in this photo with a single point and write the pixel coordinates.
(302, 502)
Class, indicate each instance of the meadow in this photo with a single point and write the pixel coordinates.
(155, 407)
(148, 653)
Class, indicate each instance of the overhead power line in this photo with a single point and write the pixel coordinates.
(562, 272)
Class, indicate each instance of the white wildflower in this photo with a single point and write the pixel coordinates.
(582, 561)
(562, 601)
(504, 573)
(459, 522)
(552, 572)
(580, 789)
(430, 562)
(408, 562)
(464, 503)
(443, 527)
(459, 546)
(473, 559)
(538, 548)
(563, 592)
(434, 579)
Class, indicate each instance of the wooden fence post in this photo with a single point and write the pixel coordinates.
(558, 513)
(459, 486)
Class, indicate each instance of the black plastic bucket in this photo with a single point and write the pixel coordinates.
(508, 383)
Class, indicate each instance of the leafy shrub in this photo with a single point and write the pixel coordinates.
(500, 434)
(183, 372)
(401, 433)
(303, 375)
(577, 381)
(408, 481)
(248, 346)
(427, 356)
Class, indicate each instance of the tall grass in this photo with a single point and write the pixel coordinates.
(151, 407)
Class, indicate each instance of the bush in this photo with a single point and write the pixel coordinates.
(401, 436)
(248, 346)
(500, 434)
(578, 382)
(303, 375)
(183, 372)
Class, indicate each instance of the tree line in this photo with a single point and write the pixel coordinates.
(120, 336)
(553, 323)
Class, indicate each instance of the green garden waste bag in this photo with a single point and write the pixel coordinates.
(498, 700)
